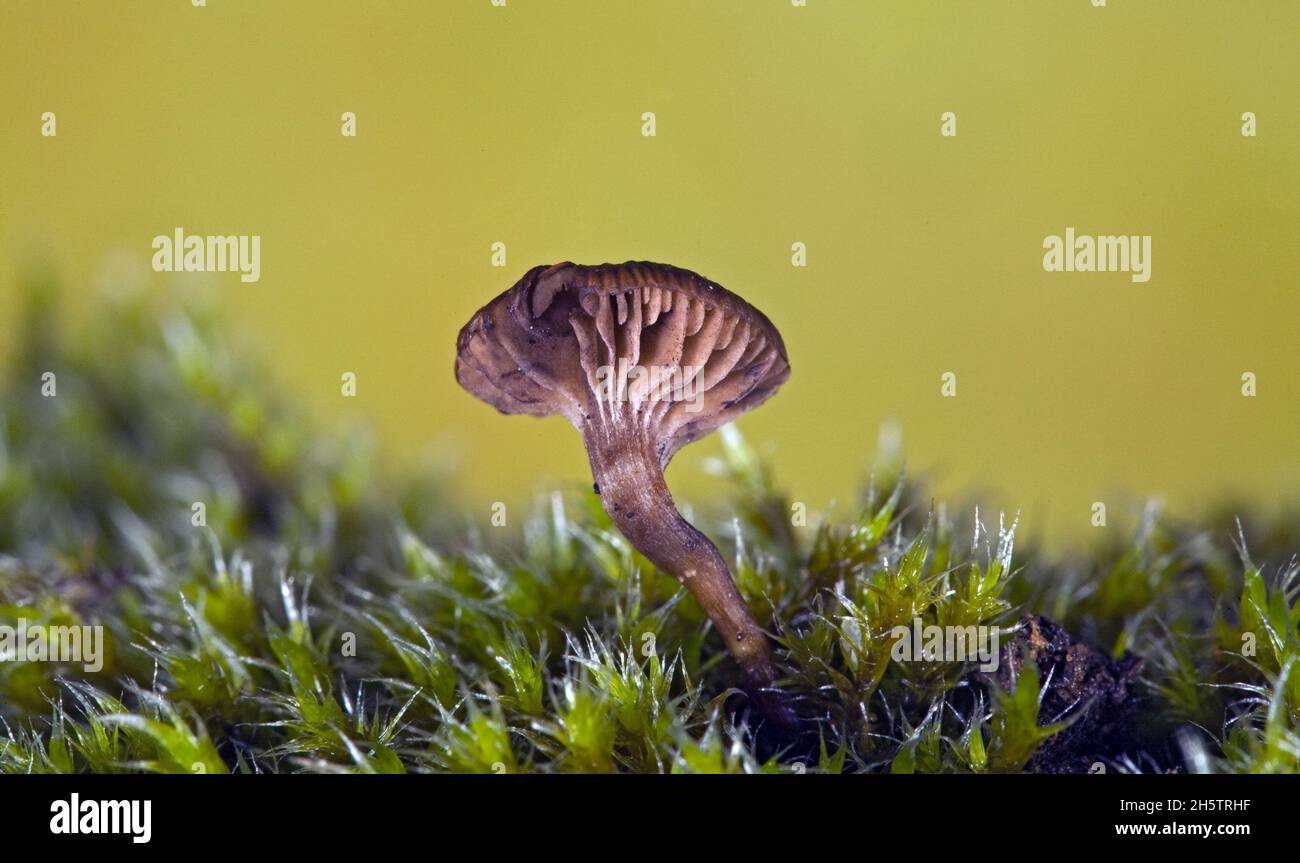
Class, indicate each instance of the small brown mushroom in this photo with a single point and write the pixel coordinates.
(642, 359)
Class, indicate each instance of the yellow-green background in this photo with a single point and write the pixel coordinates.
(775, 124)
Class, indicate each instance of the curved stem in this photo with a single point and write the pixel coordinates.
(631, 485)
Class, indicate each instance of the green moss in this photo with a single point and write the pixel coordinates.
(329, 619)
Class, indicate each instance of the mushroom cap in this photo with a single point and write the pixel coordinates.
(648, 346)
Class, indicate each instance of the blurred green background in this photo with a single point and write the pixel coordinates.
(775, 125)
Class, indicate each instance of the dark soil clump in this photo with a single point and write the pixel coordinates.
(1083, 686)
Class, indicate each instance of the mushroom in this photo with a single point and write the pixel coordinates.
(642, 359)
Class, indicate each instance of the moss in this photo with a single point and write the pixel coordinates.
(327, 618)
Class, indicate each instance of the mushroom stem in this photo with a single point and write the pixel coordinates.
(630, 481)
